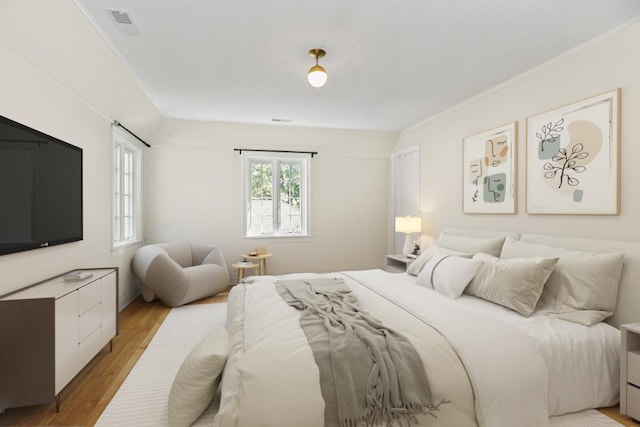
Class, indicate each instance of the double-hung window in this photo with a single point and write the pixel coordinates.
(275, 194)
(127, 189)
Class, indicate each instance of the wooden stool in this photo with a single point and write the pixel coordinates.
(262, 261)
(242, 266)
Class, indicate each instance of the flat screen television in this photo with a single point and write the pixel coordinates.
(40, 189)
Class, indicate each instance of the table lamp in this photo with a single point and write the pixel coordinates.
(408, 224)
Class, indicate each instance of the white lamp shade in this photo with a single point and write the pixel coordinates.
(408, 224)
(317, 76)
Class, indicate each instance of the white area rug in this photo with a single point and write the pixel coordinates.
(142, 398)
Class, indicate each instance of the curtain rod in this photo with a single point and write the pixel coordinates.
(117, 123)
(313, 153)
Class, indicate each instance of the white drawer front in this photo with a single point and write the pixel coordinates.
(633, 368)
(89, 322)
(90, 347)
(633, 402)
(89, 296)
(66, 347)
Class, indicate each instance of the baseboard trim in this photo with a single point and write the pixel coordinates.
(127, 299)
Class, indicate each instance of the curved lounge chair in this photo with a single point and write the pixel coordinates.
(178, 273)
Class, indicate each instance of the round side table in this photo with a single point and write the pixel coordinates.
(260, 258)
(242, 266)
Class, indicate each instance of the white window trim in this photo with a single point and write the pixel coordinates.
(247, 157)
(125, 140)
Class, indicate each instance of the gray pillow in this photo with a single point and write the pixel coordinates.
(513, 283)
(491, 246)
(583, 287)
(198, 377)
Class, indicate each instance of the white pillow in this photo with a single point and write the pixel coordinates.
(473, 245)
(583, 287)
(198, 377)
(418, 264)
(513, 283)
(448, 274)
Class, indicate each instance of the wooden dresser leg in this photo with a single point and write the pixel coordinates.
(57, 403)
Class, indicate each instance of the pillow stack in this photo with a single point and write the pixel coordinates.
(576, 286)
(447, 267)
(583, 287)
(461, 246)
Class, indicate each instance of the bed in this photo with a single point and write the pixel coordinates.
(489, 363)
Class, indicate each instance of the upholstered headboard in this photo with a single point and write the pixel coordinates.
(478, 233)
(628, 306)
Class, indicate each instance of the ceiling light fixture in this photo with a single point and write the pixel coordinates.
(317, 75)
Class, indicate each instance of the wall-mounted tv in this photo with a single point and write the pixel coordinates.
(40, 189)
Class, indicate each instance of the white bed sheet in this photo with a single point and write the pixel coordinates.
(583, 361)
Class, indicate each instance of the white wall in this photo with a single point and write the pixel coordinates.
(59, 77)
(193, 192)
(603, 65)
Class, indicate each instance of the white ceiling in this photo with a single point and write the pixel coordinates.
(391, 63)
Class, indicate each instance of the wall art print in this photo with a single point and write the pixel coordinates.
(573, 158)
(489, 171)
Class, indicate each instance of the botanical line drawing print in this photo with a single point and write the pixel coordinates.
(550, 133)
(567, 162)
(573, 158)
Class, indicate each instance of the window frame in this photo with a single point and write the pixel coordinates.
(276, 159)
(124, 144)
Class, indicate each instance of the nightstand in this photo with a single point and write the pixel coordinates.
(397, 263)
(260, 258)
(245, 265)
(630, 370)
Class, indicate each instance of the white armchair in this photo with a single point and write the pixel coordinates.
(178, 273)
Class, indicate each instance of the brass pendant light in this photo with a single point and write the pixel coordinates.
(317, 75)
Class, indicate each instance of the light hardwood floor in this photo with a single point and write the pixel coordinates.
(84, 399)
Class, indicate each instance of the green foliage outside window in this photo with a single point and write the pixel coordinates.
(262, 182)
(290, 184)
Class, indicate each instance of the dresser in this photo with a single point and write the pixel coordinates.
(49, 331)
(630, 370)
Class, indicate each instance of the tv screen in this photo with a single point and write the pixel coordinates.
(40, 189)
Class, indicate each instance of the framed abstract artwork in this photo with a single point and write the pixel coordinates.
(573, 158)
(489, 182)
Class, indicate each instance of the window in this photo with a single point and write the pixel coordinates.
(275, 194)
(127, 189)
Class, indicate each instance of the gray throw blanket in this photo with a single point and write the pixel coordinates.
(369, 374)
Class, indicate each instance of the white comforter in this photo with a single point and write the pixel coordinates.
(271, 378)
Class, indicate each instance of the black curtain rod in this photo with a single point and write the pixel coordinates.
(117, 123)
(313, 153)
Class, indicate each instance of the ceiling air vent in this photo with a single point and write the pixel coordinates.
(124, 22)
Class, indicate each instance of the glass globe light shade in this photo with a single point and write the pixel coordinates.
(317, 76)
